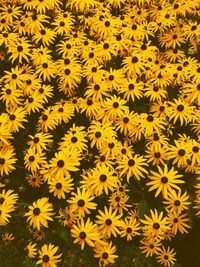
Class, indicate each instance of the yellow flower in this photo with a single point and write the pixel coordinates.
(154, 226)
(164, 181)
(150, 246)
(20, 50)
(132, 166)
(39, 213)
(178, 222)
(33, 159)
(130, 228)
(100, 180)
(105, 253)
(166, 256)
(85, 233)
(48, 257)
(81, 203)
(176, 201)
(109, 222)
(7, 161)
(31, 250)
(60, 186)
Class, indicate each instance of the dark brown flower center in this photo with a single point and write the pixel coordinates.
(103, 178)
(81, 203)
(45, 258)
(164, 179)
(60, 163)
(58, 186)
(82, 235)
(156, 226)
(131, 162)
(36, 211)
(108, 222)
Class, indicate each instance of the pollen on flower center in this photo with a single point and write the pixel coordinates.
(19, 48)
(111, 145)
(157, 155)
(134, 59)
(44, 117)
(74, 139)
(8, 91)
(131, 86)
(125, 120)
(175, 220)
(117, 199)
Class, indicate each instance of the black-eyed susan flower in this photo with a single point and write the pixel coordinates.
(20, 51)
(31, 250)
(7, 238)
(131, 89)
(35, 180)
(100, 180)
(67, 217)
(164, 180)
(48, 256)
(109, 222)
(180, 111)
(177, 201)
(132, 166)
(150, 247)
(40, 212)
(40, 141)
(61, 186)
(166, 256)
(15, 119)
(119, 201)
(33, 159)
(178, 222)
(85, 233)
(64, 161)
(105, 253)
(82, 202)
(155, 225)
(7, 161)
(130, 228)
(100, 133)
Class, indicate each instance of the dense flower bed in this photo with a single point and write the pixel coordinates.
(99, 127)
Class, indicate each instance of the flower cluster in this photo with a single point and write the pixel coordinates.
(99, 106)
